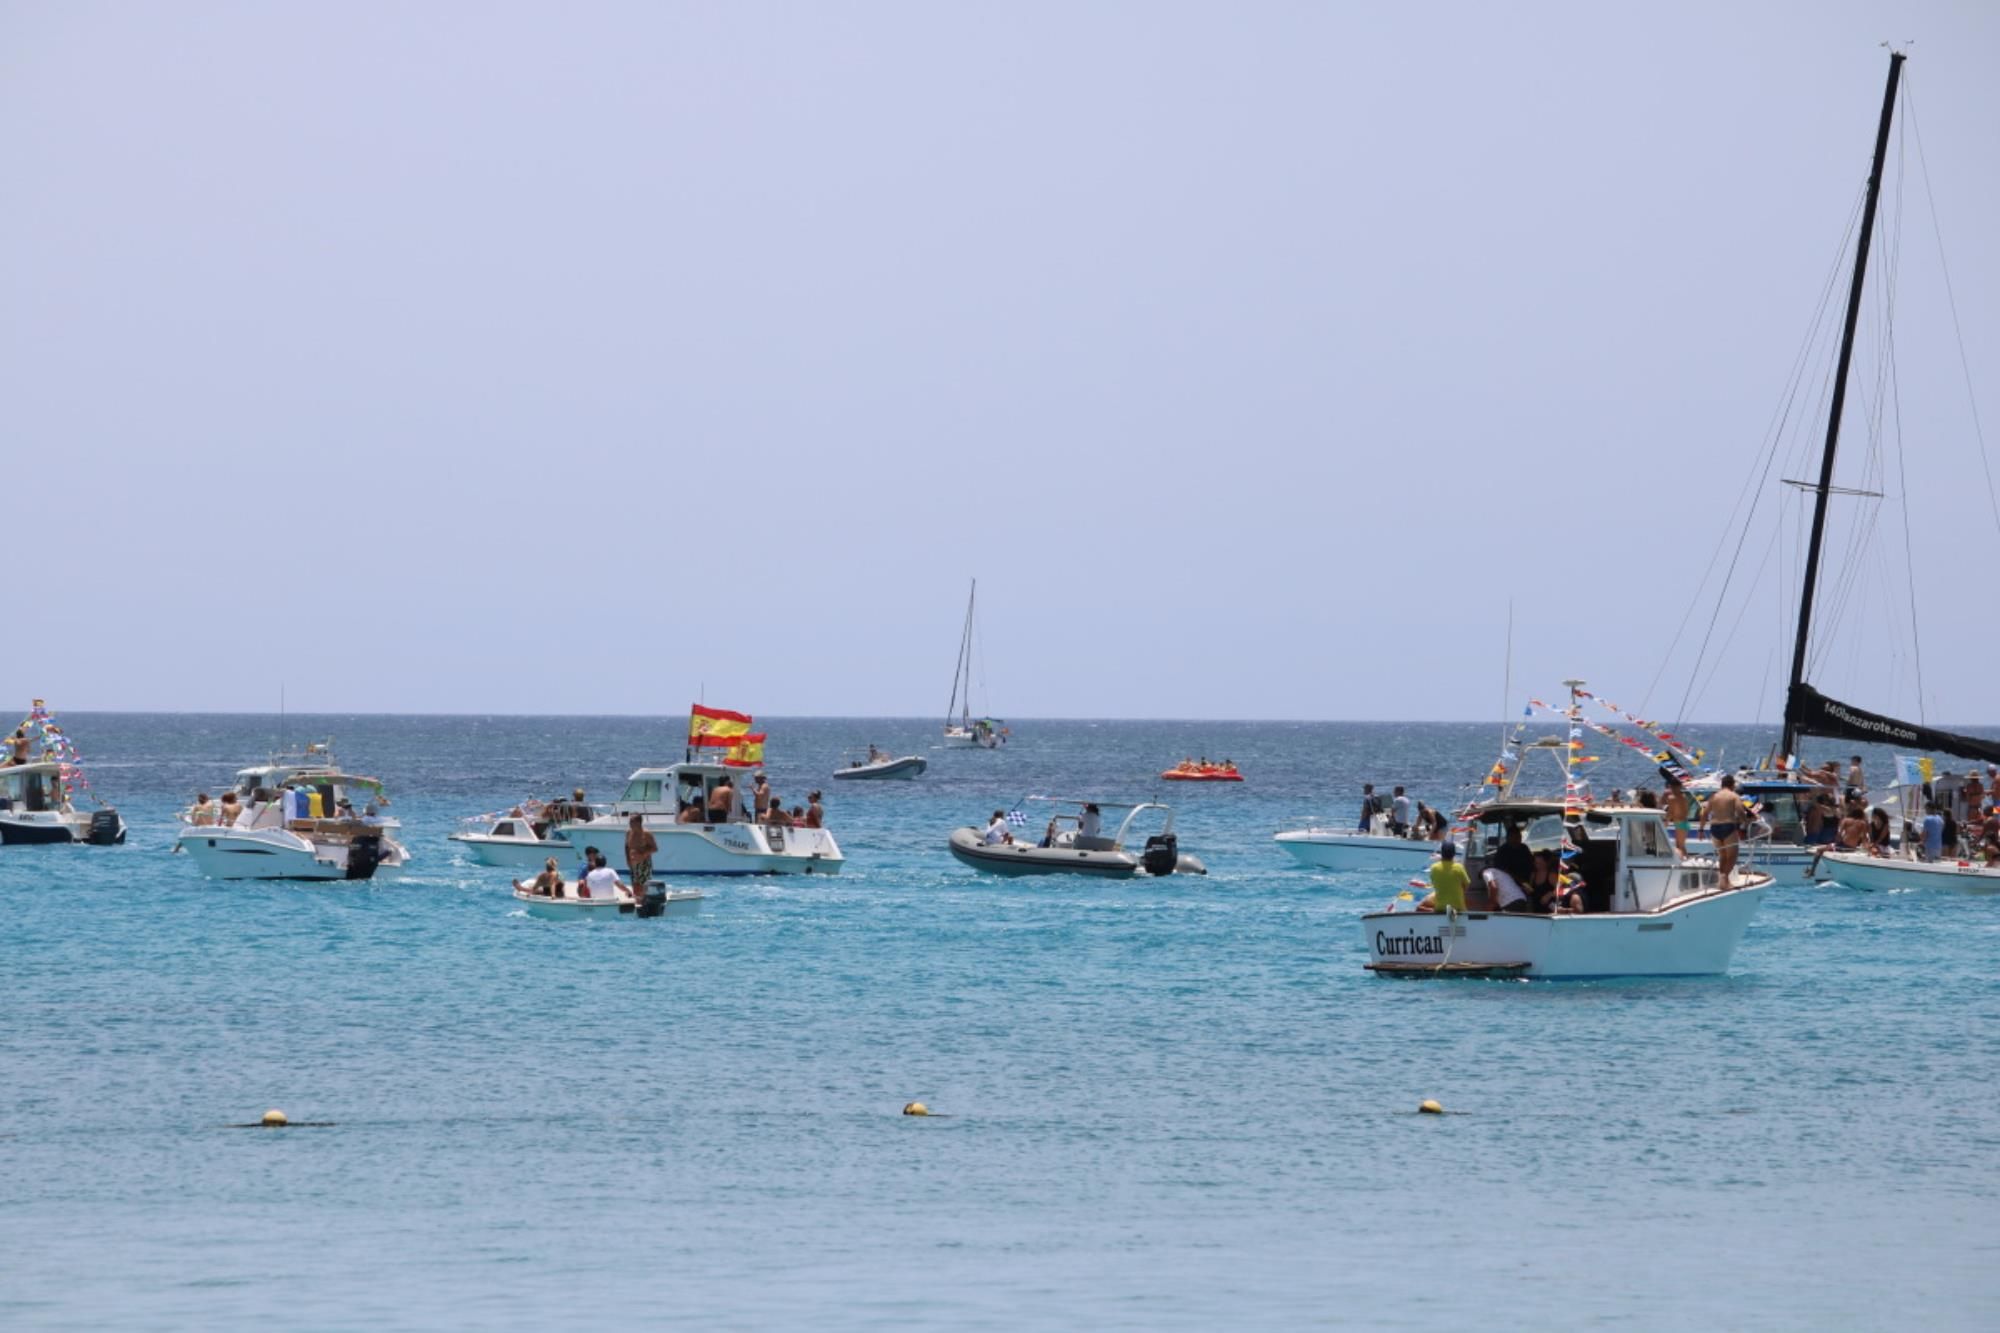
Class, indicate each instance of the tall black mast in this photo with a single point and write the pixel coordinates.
(1839, 398)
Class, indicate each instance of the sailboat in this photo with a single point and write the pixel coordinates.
(1808, 712)
(977, 733)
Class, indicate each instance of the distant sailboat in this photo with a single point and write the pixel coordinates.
(980, 733)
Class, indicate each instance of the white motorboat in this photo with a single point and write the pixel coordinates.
(984, 733)
(572, 903)
(878, 766)
(1352, 849)
(1650, 913)
(1073, 844)
(737, 846)
(293, 819)
(523, 838)
(1859, 870)
(40, 782)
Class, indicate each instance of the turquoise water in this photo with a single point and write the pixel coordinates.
(1174, 1103)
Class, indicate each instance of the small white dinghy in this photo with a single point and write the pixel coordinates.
(523, 838)
(1351, 849)
(571, 902)
(881, 766)
(1859, 870)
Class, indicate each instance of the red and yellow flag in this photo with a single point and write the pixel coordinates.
(716, 726)
(747, 752)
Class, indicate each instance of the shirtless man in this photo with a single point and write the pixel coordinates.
(17, 746)
(1679, 810)
(721, 801)
(761, 791)
(1725, 825)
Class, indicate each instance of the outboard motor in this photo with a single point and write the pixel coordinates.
(655, 901)
(363, 855)
(106, 828)
(1162, 854)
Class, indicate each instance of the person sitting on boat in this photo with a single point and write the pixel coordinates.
(875, 756)
(1508, 869)
(997, 833)
(600, 881)
(1448, 883)
(721, 801)
(1853, 832)
(549, 884)
(1229, 765)
(691, 813)
(1048, 835)
(815, 812)
(1092, 821)
(1545, 887)
(760, 794)
(1879, 837)
(776, 815)
(202, 813)
(1186, 765)
(1989, 837)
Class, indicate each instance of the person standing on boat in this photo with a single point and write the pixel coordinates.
(17, 746)
(721, 801)
(1371, 806)
(1679, 809)
(1448, 883)
(1399, 815)
(639, 849)
(1725, 825)
(760, 793)
(815, 812)
(1857, 785)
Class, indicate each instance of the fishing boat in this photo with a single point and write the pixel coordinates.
(982, 733)
(1860, 870)
(879, 765)
(1073, 844)
(293, 818)
(736, 846)
(1650, 912)
(572, 903)
(522, 838)
(40, 783)
(1350, 849)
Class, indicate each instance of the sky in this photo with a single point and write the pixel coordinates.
(1256, 359)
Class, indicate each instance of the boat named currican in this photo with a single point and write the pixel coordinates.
(293, 819)
(677, 805)
(1648, 911)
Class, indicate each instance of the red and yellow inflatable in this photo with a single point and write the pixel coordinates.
(1189, 771)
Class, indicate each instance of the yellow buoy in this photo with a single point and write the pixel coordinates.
(916, 1108)
(1428, 1107)
(275, 1118)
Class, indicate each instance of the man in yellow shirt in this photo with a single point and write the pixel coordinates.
(1448, 883)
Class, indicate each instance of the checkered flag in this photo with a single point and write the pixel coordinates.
(1018, 818)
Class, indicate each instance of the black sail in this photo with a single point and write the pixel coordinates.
(1810, 713)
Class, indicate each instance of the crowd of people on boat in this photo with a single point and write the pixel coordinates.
(720, 806)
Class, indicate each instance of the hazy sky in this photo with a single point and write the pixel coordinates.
(480, 357)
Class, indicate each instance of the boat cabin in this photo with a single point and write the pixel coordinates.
(1625, 854)
(667, 791)
(32, 787)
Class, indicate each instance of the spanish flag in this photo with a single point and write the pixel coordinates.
(715, 726)
(747, 752)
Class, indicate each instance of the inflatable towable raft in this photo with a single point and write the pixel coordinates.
(1212, 773)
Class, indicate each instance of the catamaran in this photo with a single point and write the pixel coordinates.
(983, 733)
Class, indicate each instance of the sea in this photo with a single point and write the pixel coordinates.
(1174, 1103)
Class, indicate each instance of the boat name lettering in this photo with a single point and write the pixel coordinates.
(1409, 942)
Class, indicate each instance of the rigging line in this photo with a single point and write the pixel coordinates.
(1896, 418)
(1774, 433)
(1734, 625)
(1951, 301)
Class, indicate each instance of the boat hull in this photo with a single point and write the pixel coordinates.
(714, 849)
(1174, 775)
(1852, 870)
(1324, 849)
(278, 854)
(26, 828)
(894, 770)
(678, 902)
(1695, 937)
(511, 853)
